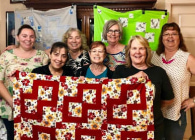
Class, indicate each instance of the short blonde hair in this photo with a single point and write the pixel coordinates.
(108, 25)
(143, 42)
(67, 34)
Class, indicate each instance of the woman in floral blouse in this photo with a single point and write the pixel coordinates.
(77, 49)
(23, 58)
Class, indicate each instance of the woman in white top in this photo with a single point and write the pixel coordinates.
(172, 55)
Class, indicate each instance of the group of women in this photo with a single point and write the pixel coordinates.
(169, 69)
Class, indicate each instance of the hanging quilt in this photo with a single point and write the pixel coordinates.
(68, 108)
(147, 23)
(49, 26)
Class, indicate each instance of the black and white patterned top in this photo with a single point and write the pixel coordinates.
(82, 60)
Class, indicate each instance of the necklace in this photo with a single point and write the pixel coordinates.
(167, 62)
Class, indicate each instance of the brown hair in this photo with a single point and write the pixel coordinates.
(59, 45)
(143, 42)
(170, 26)
(25, 26)
(97, 44)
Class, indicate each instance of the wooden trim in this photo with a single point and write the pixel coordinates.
(84, 4)
(192, 94)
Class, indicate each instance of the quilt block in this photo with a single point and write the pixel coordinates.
(68, 108)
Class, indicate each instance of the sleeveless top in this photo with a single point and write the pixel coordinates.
(113, 60)
(180, 80)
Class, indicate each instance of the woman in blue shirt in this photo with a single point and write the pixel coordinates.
(97, 69)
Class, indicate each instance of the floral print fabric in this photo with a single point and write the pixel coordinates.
(9, 63)
(69, 108)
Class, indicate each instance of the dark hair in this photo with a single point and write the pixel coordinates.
(97, 44)
(170, 26)
(59, 45)
(25, 26)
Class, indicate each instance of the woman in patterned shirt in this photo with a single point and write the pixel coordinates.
(23, 58)
(78, 49)
(112, 32)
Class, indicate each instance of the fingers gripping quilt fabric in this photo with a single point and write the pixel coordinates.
(68, 108)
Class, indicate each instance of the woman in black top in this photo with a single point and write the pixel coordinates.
(58, 58)
(138, 62)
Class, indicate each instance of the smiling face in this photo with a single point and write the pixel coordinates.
(113, 36)
(137, 54)
(74, 41)
(97, 54)
(171, 39)
(26, 39)
(58, 58)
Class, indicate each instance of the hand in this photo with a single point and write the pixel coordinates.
(187, 104)
(81, 77)
(140, 74)
(9, 48)
(85, 64)
(11, 75)
(11, 103)
(112, 68)
(103, 78)
(48, 51)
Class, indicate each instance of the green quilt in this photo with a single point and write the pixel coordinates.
(147, 24)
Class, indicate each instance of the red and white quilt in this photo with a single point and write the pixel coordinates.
(68, 108)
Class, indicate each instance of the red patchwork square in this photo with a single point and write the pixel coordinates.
(68, 108)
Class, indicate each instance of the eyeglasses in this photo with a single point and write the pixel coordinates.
(94, 51)
(167, 34)
(113, 31)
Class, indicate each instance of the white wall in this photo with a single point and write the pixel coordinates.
(160, 4)
(6, 6)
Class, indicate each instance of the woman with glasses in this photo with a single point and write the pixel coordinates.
(112, 33)
(172, 56)
(97, 69)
